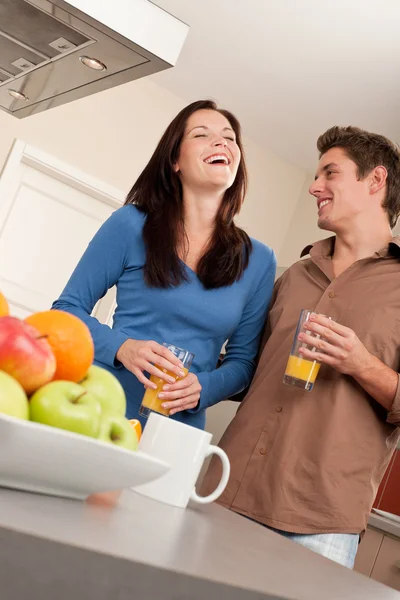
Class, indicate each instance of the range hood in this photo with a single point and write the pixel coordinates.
(53, 52)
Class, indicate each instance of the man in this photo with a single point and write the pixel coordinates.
(309, 464)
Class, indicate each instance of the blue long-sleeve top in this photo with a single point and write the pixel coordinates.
(188, 315)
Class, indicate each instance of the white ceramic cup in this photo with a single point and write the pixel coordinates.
(184, 448)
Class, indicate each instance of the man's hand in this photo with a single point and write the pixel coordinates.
(342, 350)
(340, 347)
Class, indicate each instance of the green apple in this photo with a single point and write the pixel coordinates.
(13, 400)
(106, 388)
(117, 430)
(66, 405)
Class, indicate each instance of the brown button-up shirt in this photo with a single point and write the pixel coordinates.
(311, 462)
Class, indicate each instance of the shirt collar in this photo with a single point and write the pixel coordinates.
(394, 247)
(324, 248)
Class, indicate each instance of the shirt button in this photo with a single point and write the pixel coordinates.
(278, 409)
(331, 294)
(263, 451)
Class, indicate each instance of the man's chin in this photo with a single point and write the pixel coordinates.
(326, 225)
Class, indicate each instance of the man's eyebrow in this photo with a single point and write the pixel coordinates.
(327, 167)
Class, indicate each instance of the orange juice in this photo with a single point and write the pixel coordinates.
(300, 368)
(151, 399)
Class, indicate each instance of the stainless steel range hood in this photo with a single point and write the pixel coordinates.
(53, 52)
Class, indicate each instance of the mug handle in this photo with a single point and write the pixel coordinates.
(226, 469)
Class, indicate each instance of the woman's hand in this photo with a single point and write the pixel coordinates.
(139, 355)
(182, 395)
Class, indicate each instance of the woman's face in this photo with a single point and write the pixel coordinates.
(209, 156)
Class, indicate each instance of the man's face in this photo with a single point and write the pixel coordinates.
(340, 196)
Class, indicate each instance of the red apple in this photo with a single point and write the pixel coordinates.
(25, 354)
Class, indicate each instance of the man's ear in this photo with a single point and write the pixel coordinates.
(378, 178)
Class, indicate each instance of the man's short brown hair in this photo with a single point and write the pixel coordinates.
(368, 150)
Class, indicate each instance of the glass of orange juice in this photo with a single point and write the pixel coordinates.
(151, 401)
(301, 372)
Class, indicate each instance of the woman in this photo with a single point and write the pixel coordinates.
(185, 273)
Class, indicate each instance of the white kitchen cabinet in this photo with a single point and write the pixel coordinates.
(387, 565)
(368, 551)
(49, 211)
(378, 557)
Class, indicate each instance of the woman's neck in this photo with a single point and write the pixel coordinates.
(200, 211)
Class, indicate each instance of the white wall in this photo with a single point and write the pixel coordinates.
(302, 229)
(274, 190)
(111, 135)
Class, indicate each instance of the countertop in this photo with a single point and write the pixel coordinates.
(54, 548)
(385, 524)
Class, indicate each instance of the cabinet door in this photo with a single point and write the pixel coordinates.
(368, 551)
(49, 212)
(387, 565)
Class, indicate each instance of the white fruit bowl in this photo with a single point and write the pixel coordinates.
(38, 458)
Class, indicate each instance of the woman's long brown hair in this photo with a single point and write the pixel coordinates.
(158, 193)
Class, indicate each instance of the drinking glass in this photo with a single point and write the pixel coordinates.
(151, 401)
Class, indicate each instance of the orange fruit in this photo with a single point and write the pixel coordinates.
(70, 340)
(4, 308)
(137, 427)
(104, 498)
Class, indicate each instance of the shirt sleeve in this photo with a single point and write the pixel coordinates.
(238, 365)
(99, 269)
(394, 414)
(264, 337)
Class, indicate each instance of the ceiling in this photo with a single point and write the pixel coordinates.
(290, 69)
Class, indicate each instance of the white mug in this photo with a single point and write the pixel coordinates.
(184, 448)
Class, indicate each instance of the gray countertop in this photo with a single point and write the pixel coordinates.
(53, 548)
(385, 524)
